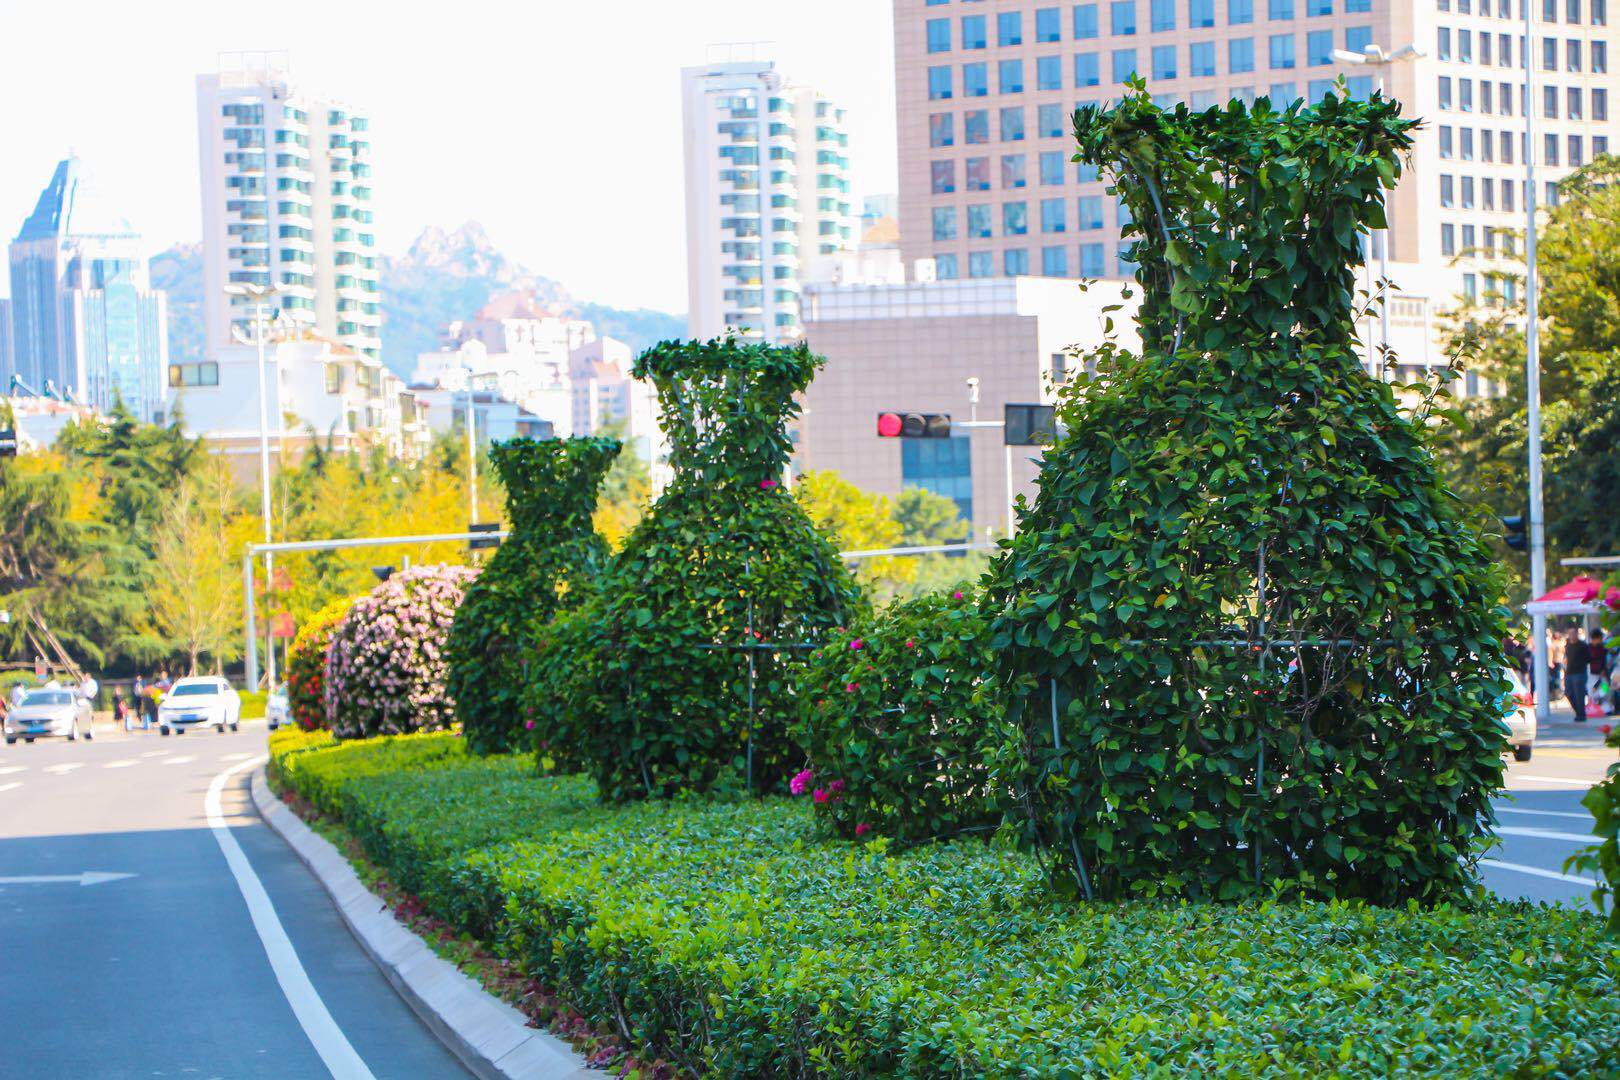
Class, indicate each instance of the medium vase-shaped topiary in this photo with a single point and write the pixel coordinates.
(719, 592)
(385, 666)
(549, 562)
(1248, 639)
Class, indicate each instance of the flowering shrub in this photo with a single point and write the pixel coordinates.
(306, 665)
(551, 560)
(385, 666)
(1603, 858)
(898, 735)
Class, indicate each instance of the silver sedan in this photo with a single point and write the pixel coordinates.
(49, 712)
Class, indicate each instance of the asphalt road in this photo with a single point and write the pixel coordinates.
(163, 973)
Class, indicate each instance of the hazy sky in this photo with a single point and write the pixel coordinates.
(555, 123)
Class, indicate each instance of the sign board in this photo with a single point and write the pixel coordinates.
(1031, 425)
(8, 442)
(282, 625)
(482, 543)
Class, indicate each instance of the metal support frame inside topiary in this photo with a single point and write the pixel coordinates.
(1250, 642)
(551, 560)
(719, 591)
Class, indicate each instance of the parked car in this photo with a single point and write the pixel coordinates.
(1519, 713)
(276, 710)
(200, 701)
(47, 712)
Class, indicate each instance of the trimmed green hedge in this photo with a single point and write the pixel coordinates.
(726, 938)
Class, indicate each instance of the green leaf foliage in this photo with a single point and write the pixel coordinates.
(707, 610)
(1603, 857)
(550, 561)
(1245, 635)
(899, 736)
(726, 939)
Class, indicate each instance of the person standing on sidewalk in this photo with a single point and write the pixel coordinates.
(1598, 669)
(1577, 664)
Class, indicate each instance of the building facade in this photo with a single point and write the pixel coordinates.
(286, 198)
(83, 316)
(767, 189)
(986, 89)
(914, 348)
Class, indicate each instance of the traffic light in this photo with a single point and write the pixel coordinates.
(1513, 535)
(911, 425)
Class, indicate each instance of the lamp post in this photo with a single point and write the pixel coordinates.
(1532, 381)
(454, 380)
(261, 296)
(1376, 58)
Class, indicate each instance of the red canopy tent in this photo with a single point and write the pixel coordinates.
(1580, 596)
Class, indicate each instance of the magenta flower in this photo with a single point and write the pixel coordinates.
(856, 644)
(862, 829)
(528, 725)
(957, 595)
(852, 687)
(820, 796)
(766, 485)
(801, 781)
(835, 788)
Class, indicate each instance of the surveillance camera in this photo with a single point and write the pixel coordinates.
(973, 382)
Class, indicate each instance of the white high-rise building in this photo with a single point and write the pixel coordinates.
(767, 190)
(286, 197)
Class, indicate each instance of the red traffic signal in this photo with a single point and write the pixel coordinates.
(899, 425)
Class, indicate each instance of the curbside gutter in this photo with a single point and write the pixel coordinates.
(490, 1037)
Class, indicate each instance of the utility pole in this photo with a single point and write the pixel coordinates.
(261, 294)
(1532, 378)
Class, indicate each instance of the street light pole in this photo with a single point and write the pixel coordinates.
(1532, 380)
(472, 461)
(260, 295)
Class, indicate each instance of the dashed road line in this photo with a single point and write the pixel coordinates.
(124, 764)
(154, 753)
(1571, 781)
(9, 769)
(64, 768)
(1548, 834)
(8, 787)
(183, 759)
(1537, 871)
(1543, 813)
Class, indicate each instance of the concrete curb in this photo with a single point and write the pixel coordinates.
(489, 1036)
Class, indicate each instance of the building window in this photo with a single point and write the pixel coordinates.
(1011, 76)
(1085, 21)
(1549, 149)
(1445, 140)
(1087, 70)
(973, 33)
(1357, 38)
(946, 268)
(981, 264)
(1319, 48)
(1282, 51)
(1549, 54)
(1467, 143)
(1600, 103)
(1012, 124)
(1014, 219)
(1048, 24)
(976, 126)
(1015, 262)
(1600, 57)
(1124, 64)
(1052, 216)
(975, 80)
(1577, 155)
(1052, 168)
(941, 130)
(942, 466)
(1280, 9)
(1318, 7)
(978, 173)
(1319, 89)
(1049, 121)
(1467, 188)
(1164, 61)
(1465, 95)
(1055, 261)
(1240, 55)
(939, 35)
(1549, 102)
(202, 374)
(1283, 93)
(1465, 46)
(1447, 190)
(1201, 58)
(1049, 73)
(1572, 56)
(1091, 213)
(1162, 15)
(1127, 264)
(1445, 92)
(1122, 17)
(944, 223)
(1239, 12)
(1448, 247)
(978, 221)
(1091, 260)
(1010, 28)
(942, 175)
(1572, 103)
(1013, 175)
(1600, 13)
(939, 83)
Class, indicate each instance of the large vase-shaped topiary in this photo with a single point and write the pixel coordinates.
(549, 562)
(720, 591)
(385, 666)
(1249, 640)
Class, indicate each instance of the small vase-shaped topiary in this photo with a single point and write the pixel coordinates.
(1248, 637)
(719, 592)
(551, 560)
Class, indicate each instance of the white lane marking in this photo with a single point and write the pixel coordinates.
(1543, 813)
(8, 787)
(65, 767)
(1548, 834)
(154, 753)
(1537, 871)
(324, 1034)
(1552, 780)
(124, 764)
(235, 757)
(181, 760)
(9, 769)
(89, 877)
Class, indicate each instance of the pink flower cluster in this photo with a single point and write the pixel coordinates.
(385, 666)
(801, 781)
(832, 793)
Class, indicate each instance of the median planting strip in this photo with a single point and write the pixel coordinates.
(728, 938)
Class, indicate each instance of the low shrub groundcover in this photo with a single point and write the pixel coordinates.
(724, 937)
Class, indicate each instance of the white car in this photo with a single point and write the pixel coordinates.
(49, 712)
(1519, 713)
(276, 710)
(202, 701)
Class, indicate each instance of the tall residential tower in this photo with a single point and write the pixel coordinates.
(83, 316)
(767, 191)
(286, 197)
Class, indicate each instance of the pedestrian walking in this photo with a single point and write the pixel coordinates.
(1577, 666)
(1598, 670)
(120, 709)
